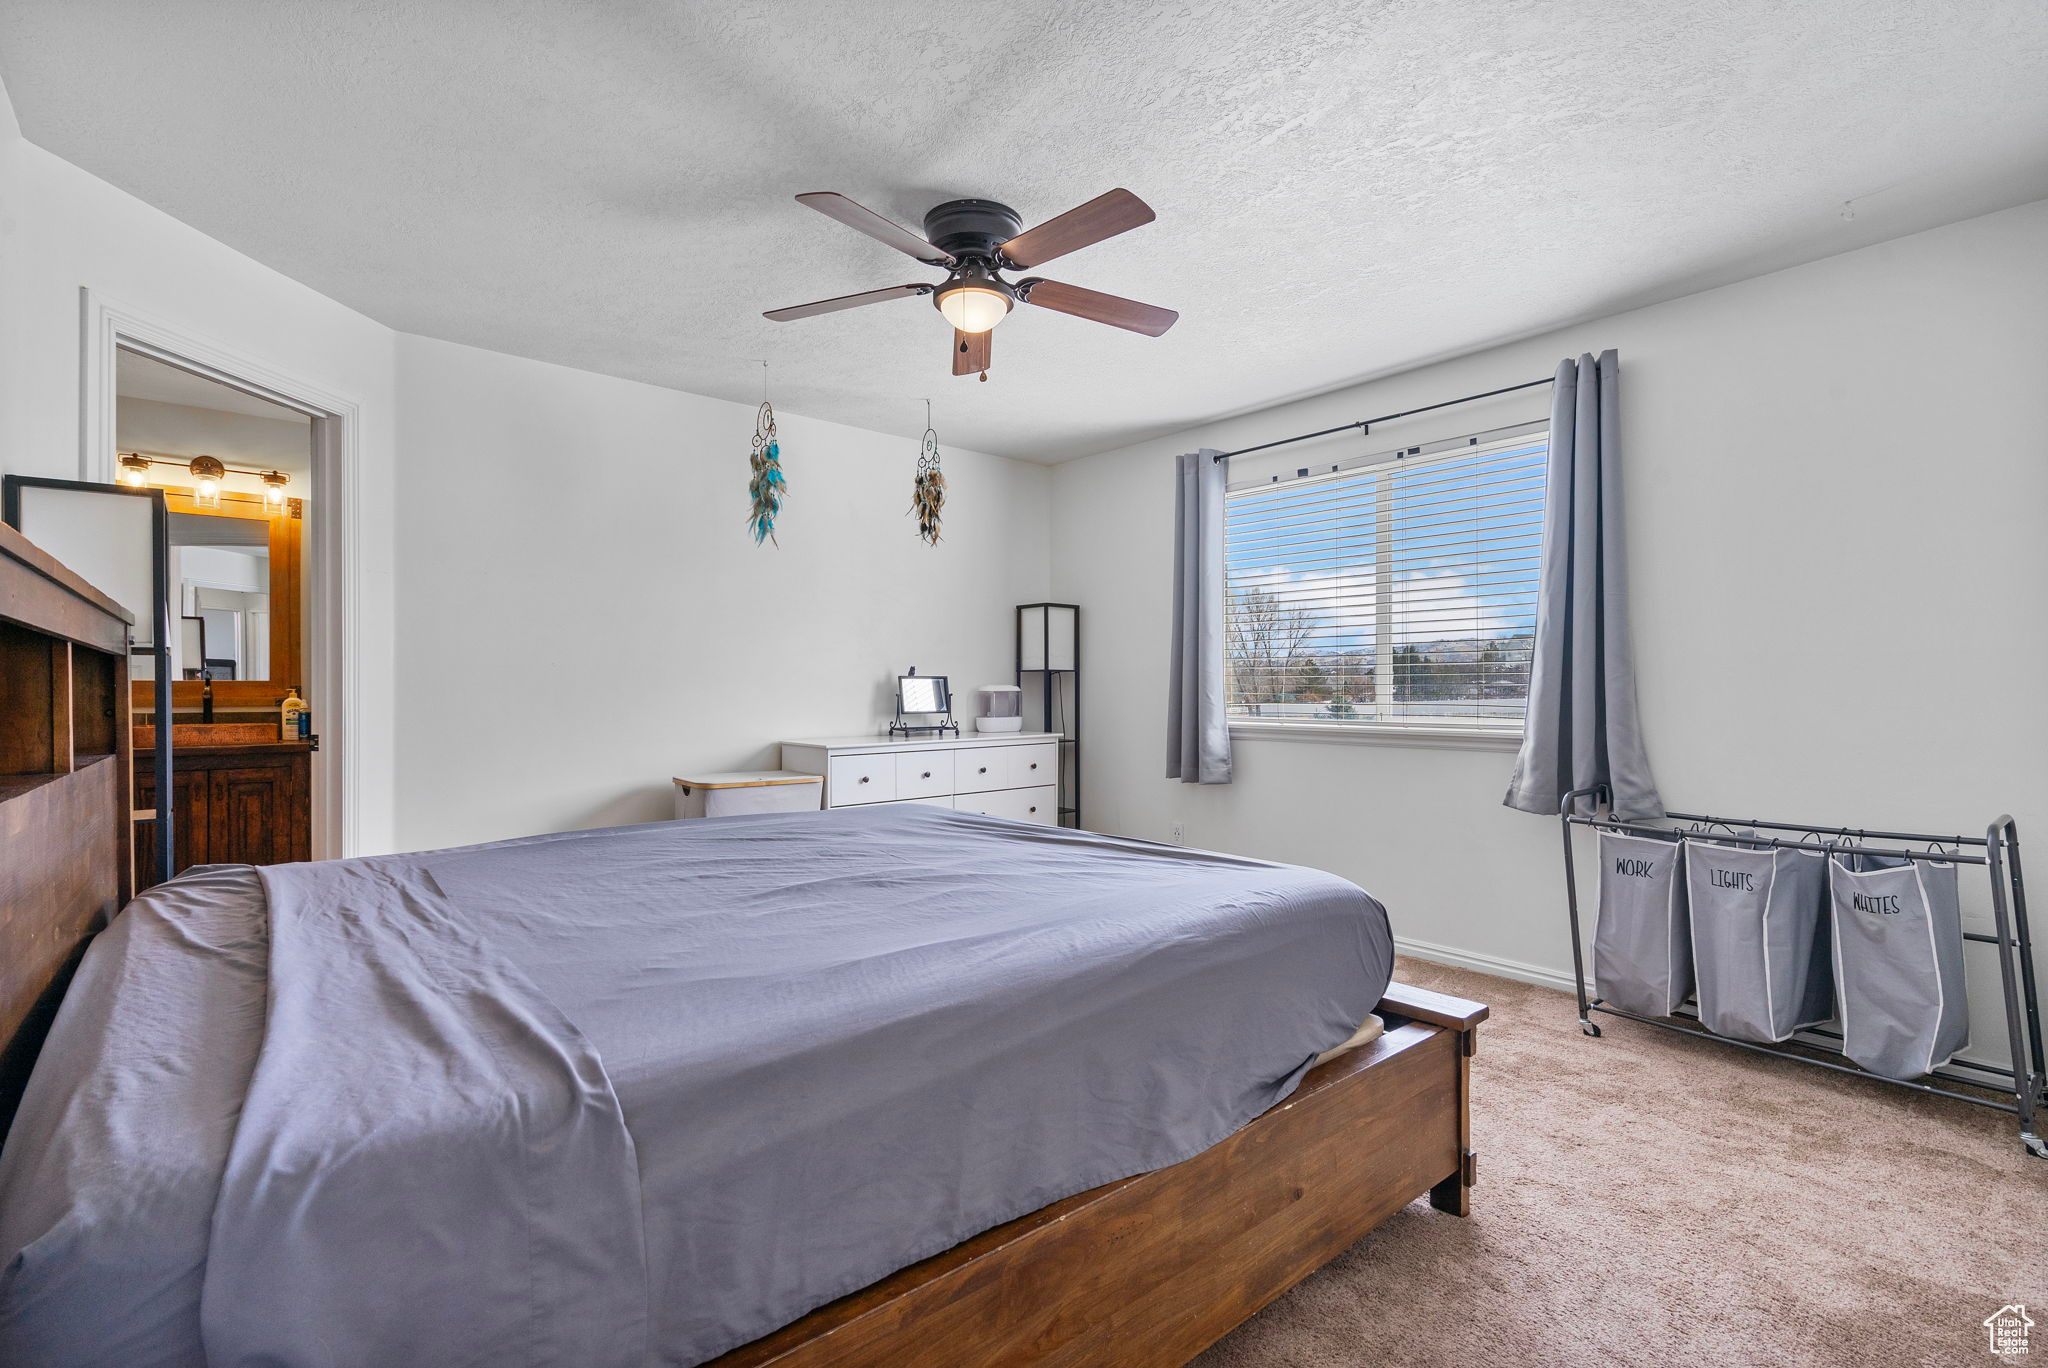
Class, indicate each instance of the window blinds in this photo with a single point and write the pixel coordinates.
(1397, 589)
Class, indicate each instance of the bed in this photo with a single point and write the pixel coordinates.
(878, 1086)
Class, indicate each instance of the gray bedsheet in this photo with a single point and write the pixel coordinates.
(638, 1095)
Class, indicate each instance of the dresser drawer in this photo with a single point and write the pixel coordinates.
(976, 768)
(1030, 766)
(863, 779)
(924, 774)
(1019, 805)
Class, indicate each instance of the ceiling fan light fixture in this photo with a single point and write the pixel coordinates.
(975, 240)
(973, 302)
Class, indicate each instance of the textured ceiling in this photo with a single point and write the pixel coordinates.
(1343, 188)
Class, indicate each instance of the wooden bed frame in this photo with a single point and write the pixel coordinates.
(1141, 1273)
(1149, 1271)
(66, 845)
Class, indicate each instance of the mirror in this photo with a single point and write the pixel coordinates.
(923, 694)
(221, 570)
(235, 595)
(190, 645)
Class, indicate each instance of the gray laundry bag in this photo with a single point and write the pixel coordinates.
(1898, 951)
(1759, 938)
(1642, 951)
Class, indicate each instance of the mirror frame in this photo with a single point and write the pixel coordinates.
(945, 701)
(287, 608)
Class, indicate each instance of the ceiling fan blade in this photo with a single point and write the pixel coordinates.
(1096, 306)
(859, 217)
(1105, 216)
(970, 352)
(852, 301)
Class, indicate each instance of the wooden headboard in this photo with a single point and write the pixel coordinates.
(66, 796)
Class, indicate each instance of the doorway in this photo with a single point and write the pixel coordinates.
(331, 597)
(235, 470)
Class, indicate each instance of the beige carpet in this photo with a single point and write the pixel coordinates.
(1647, 1200)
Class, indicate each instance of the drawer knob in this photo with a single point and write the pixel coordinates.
(1034, 807)
(926, 775)
(982, 770)
(863, 778)
(1034, 764)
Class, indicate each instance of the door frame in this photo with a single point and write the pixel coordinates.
(334, 570)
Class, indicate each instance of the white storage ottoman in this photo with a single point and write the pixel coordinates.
(734, 792)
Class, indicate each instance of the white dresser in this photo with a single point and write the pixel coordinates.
(1002, 774)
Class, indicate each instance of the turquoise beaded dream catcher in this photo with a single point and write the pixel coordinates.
(768, 488)
(928, 490)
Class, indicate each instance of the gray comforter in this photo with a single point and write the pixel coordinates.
(633, 1096)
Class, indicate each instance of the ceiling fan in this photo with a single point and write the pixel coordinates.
(977, 240)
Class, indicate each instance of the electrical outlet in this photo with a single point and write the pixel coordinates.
(1178, 833)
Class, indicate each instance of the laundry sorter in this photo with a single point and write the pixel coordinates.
(1830, 946)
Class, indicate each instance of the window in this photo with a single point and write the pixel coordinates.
(1396, 591)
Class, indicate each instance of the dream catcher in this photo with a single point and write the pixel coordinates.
(767, 487)
(928, 490)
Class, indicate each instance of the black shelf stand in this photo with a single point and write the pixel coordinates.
(2022, 1089)
(1059, 699)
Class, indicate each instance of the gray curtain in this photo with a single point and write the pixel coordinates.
(1197, 729)
(1582, 726)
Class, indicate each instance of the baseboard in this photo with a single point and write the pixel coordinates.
(1484, 964)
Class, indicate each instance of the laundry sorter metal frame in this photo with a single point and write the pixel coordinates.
(2024, 1086)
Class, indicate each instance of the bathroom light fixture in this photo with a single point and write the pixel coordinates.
(207, 473)
(274, 482)
(134, 470)
(974, 300)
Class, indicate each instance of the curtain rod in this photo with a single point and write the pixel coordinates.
(1365, 424)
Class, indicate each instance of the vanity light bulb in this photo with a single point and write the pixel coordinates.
(273, 490)
(207, 473)
(134, 471)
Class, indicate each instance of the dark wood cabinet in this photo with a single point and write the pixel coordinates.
(232, 805)
(192, 810)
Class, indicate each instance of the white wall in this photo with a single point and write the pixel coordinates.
(216, 567)
(583, 612)
(543, 505)
(1837, 478)
(60, 230)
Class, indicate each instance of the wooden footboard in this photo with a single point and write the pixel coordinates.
(1149, 1271)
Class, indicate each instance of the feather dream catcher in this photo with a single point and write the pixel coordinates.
(767, 487)
(928, 490)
